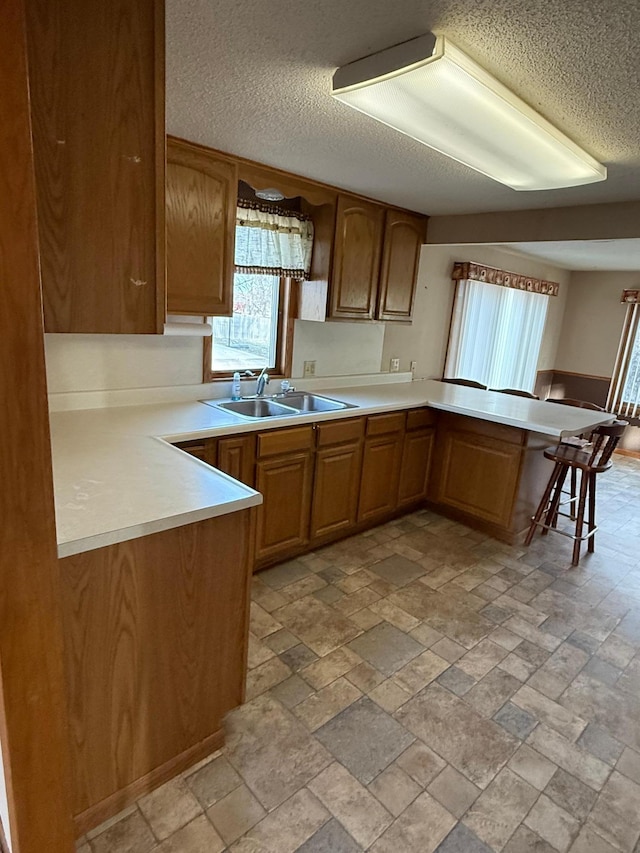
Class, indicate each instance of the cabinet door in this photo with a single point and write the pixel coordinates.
(478, 474)
(404, 235)
(380, 476)
(236, 457)
(336, 489)
(283, 518)
(416, 464)
(96, 74)
(202, 190)
(356, 259)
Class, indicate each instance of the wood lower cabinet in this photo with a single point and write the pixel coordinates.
(284, 476)
(155, 644)
(96, 75)
(236, 456)
(404, 234)
(381, 466)
(338, 470)
(478, 468)
(202, 190)
(417, 452)
(356, 259)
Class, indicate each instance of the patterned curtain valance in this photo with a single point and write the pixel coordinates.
(630, 296)
(469, 271)
(272, 241)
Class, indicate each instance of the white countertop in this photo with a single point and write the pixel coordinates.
(117, 477)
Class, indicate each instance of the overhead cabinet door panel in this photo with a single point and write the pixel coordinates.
(403, 237)
(201, 206)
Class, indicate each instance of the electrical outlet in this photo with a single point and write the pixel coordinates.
(413, 366)
(309, 368)
(394, 365)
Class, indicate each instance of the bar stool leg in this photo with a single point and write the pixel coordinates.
(574, 493)
(592, 512)
(543, 503)
(552, 515)
(584, 484)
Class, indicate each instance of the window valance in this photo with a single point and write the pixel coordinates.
(470, 271)
(272, 241)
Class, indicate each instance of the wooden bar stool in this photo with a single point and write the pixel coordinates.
(468, 383)
(590, 461)
(516, 392)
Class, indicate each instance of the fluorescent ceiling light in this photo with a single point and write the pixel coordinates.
(430, 90)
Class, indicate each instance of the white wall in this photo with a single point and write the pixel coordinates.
(593, 322)
(114, 362)
(425, 340)
(339, 349)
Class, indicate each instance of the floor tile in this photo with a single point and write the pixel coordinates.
(395, 789)
(421, 763)
(327, 669)
(613, 710)
(456, 680)
(364, 739)
(235, 814)
(571, 794)
(390, 695)
(570, 757)
(462, 840)
(317, 625)
(322, 706)
(589, 841)
(130, 835)
(516, 721)
(286, 828)
(525, 840)
(331, 838)
(448, 650)
(533, 767)
(280, 641)
(398, 570)
(291, 691)
(213, 781)
(616, 814)
(443, 722)
(422, 670)
(386, 648)
(365, 677)
(199, 836)
(298, 657)
(600, 743)
(169, 807)
(419, 829)
(454, 791)
(284, 574)
(364, 818)
(629, 764)
(499, 810)
(265, 676)
(549, 712)
(272, 750)
(552, 823)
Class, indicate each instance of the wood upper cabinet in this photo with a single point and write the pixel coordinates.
(404, 234)
(356, 259)
(381, 466)
(96, 73)
(338, 469)
(202, 190)
(284, 475)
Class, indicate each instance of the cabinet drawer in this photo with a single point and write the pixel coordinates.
(285, 441)
(383, 424)
(419, 418)
(194, 448)
(340, 432)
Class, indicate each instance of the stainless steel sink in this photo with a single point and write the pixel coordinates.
(258, 408)
(314, 403)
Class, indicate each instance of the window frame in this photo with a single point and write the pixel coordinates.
(287, 310)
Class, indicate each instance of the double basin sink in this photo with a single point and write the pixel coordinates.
(285, 406)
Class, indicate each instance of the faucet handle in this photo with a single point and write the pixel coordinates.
(248, 373)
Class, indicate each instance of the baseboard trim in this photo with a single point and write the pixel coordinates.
(634, 454)
(119, 800)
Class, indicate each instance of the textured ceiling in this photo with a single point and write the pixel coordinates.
(621, 255)
(253, 77)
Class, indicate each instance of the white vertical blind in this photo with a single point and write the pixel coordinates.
(624, 391)
(496, 334)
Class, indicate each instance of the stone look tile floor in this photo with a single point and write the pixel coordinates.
(422, 688)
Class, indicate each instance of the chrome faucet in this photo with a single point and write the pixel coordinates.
(263, 380)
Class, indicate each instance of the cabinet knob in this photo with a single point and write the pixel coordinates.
(138, 282)
(132, 158)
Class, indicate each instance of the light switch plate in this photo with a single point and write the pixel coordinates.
(394, 365)
(309, 368)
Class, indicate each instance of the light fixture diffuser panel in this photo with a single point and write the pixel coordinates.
(449, 103)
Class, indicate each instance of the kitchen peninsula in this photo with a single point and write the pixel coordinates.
(157, 547)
